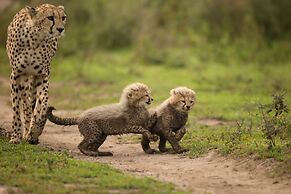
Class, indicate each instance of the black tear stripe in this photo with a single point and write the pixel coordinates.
(52, 26)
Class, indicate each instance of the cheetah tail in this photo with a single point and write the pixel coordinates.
(58, 120)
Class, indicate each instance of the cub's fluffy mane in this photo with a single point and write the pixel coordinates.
(127, 91)
(183, 91)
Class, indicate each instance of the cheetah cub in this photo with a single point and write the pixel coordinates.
(130, 115)
(172, 116)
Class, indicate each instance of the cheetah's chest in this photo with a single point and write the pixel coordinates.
(34, 61)
(178, 120)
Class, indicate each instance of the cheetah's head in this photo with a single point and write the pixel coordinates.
(182, 98)
(49, 19)
(137, 95)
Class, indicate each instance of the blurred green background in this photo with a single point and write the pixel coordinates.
(232, 53)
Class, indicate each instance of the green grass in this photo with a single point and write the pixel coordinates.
(34, 169)
(230, 140)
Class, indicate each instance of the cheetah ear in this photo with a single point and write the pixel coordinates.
(173, 92)
(129, 95)
(31, 10)
(61, 7)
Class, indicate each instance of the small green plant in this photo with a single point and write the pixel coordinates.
(274, 121)
(236, 136)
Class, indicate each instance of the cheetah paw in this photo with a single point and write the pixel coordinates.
(5, 133)
(30, 139)
(153, 138)
(183, 150)
(33, 141)
(15, 141)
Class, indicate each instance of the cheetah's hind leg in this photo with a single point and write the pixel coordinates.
(90, 146)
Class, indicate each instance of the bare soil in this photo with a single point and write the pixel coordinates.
(212, 122)
(211, 173)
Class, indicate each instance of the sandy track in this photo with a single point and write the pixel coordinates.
(210, 173)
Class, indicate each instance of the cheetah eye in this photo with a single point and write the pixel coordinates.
(51, 18)
(191, 101)
(64, 17)
(183, 101)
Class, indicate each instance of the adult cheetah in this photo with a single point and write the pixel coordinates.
(31, 44)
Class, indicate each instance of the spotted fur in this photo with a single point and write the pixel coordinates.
(172, 117)
(130, 115)
(32, 39)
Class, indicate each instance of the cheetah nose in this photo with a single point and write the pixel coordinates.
(60, 29)
(188, 107)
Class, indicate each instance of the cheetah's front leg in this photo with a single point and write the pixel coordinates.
(27, 103)
(152, 121)
(147, 135)
(16, 91)
(145, 143)
(140, 130)
(39, 117)
(174, 143)
(180, 133)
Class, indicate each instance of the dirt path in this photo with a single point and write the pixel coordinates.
(210, 173)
